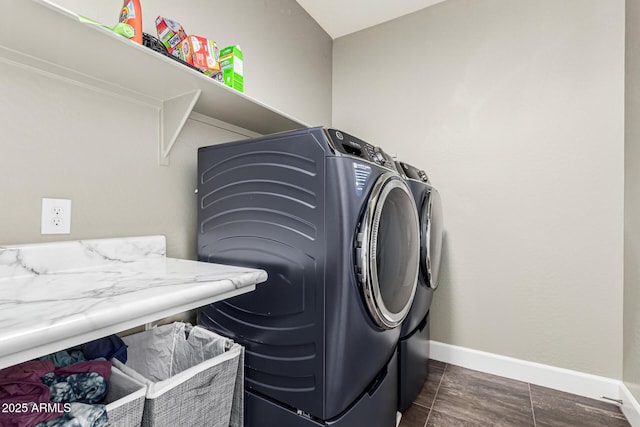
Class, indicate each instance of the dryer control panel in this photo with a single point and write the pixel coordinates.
(350, 145)
(413, 172)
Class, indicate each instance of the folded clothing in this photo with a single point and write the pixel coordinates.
(28, 385)
(64, 377)
(20, 388)
(26, 371)
(108, 347)
(65, 358)
(85, 382)
(80, 415)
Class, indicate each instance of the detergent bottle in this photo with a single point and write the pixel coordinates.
(132, 14)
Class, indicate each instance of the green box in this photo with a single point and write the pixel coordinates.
(232, 64)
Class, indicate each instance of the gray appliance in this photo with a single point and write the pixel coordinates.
(413, 347)
(335, 226)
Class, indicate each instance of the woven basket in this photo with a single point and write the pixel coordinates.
(125, 400)
(197, 384)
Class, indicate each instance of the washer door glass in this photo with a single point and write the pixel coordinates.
(431, 224)
(390, 251)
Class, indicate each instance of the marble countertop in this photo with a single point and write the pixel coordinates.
(57, 295)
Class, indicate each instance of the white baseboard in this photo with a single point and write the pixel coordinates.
(566, 380)
(630, 407)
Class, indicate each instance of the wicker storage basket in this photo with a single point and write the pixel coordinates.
(194, 377)
(125, 400)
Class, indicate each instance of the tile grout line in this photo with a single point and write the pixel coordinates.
(533, 412)
(435, 396)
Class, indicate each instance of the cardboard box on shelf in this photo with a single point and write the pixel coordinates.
(202, 53)
(170, 34)
(232, 63)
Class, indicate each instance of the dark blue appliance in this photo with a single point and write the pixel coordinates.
(413, 347)
(336, 228)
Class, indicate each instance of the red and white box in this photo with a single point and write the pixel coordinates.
(202, 53)
(170, 34)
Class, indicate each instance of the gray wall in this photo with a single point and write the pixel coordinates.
(631, 373)
(62, 140)
(516, 111)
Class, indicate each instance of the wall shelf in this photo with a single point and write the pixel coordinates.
(54, 41)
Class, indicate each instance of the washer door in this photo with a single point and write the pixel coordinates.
(387, 253)
(431, 226)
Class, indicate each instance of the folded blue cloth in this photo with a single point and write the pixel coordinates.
(65, 358)
(107, 347)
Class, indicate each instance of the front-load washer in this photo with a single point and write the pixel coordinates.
(413, 347)
(335, 226)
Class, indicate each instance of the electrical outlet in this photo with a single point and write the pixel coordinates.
(56, 216)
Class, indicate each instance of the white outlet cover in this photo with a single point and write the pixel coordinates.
(56, 216)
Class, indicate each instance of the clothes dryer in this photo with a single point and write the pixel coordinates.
(335, 226)
(413, 347)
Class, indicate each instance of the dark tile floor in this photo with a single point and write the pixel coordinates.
(453, 396)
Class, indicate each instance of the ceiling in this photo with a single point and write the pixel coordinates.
(341, 17)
